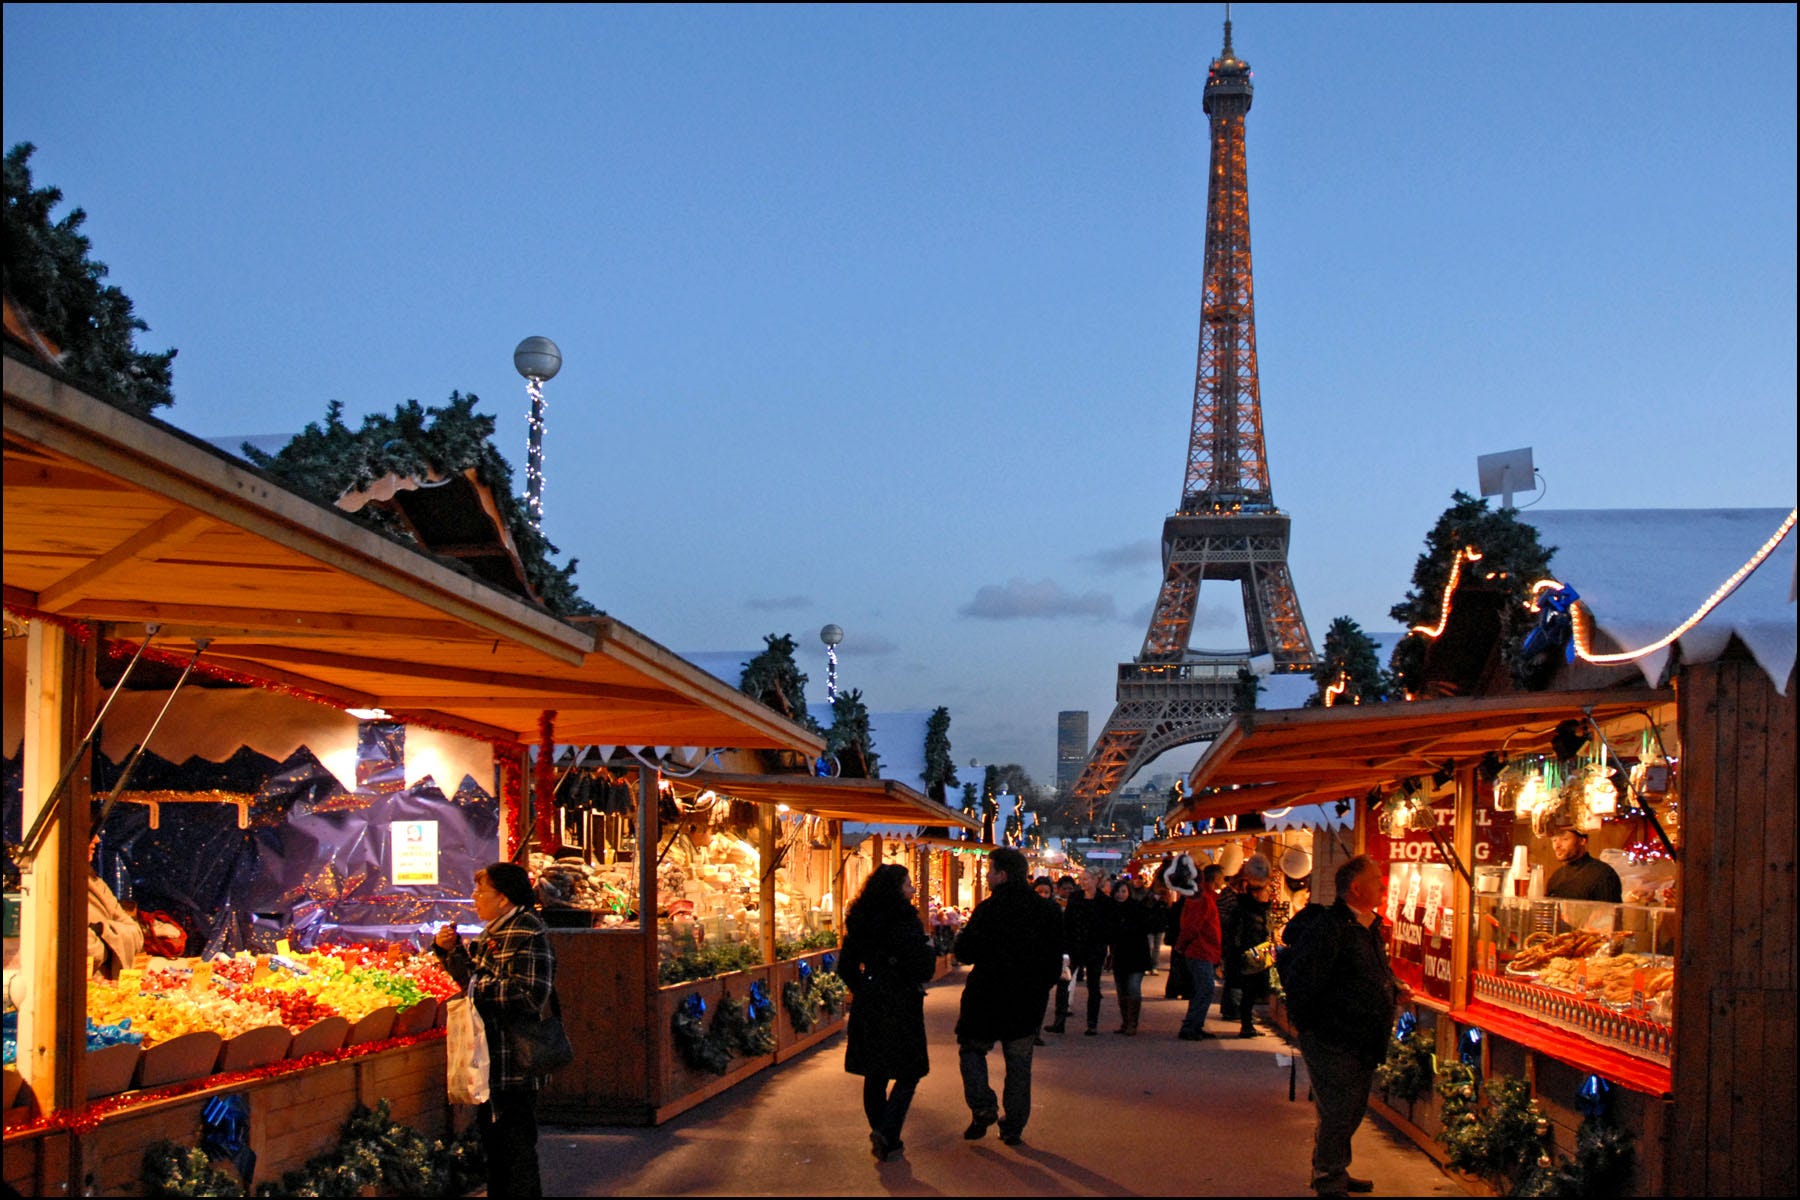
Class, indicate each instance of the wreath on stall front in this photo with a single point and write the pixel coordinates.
(812, 991)
(1407, 1072)
(702, 1049)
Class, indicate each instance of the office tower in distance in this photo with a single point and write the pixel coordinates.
(1071, 748)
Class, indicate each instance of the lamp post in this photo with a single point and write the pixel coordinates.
(831, 635)
(538, 360)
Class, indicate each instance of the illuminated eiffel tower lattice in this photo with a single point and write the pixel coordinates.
(1228, 527)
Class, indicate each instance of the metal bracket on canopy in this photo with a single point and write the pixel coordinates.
(131, 763)
(31, 843)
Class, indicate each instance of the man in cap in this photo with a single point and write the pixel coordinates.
(1014, 943)
(1581, 876)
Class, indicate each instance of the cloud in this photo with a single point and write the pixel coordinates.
(1019, 599)
(777, 603)
(866, 645)
(1145, 552)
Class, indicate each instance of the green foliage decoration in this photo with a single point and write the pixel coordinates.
(1350, 654)
(48, 274)
(418, 441)
(174, 1170)
(940, 768)
(776, 681)
(818, 939)
(377, 1155)
(740, 1031)
(1406, 1074)
(1491, 1129)
(1604, 1152)
(1249, 687)
(830, 990)
(850, 737)
(797, 998)
(714, 958)
(702, 1049)
(1510, 552)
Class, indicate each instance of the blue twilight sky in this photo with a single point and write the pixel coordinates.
(887, 316)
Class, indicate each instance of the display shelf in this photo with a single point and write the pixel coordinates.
(180, 1058)
(254, 1048)
(109, 1071)
(1571, 1049)
(1629, 1032)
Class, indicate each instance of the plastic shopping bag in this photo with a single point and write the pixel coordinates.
(467, 1052)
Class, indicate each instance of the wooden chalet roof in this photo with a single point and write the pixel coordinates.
(878, 801)
(126, 521)
(1319, 755)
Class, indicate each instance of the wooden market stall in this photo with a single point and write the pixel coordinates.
(734, 829)
(122, 532)
(1678, 995)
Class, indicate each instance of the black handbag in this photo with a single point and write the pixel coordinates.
(541, 1046)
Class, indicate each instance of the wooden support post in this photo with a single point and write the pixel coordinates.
(922, 885)
(649, 838)
(1462, 832)
(838, 904)
(53, 935)
(765, 855)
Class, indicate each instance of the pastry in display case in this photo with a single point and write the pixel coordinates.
(1604, 970)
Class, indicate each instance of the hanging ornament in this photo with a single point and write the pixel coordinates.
(1468, 1048)
(1594, 1098)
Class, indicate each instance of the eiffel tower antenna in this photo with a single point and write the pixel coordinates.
(1227, 527)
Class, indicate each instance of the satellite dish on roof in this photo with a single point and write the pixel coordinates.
(1506, 472)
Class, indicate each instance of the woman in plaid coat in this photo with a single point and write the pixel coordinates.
(509, 971)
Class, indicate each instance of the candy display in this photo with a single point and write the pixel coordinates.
(231, 996)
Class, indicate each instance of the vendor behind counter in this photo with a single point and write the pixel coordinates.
(1581, 876)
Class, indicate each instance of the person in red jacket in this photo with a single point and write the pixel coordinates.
(1200, 944)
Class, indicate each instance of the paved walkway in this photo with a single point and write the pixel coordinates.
(1111, 1115)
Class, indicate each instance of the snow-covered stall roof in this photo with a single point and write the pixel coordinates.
(1642, 572)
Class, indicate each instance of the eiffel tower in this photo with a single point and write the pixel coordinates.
(1228, 527)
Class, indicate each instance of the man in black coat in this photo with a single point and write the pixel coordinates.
(1342, 997)
(1013, 940)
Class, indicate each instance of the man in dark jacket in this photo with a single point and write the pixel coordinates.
(1013, 942)
(1342, 998)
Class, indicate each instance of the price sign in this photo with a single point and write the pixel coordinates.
(413, 852)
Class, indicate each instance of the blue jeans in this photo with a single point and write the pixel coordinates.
(1340, 1087)
(983, 1105)
(1201, 999)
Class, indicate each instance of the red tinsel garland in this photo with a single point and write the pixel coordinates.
(86, 1119)
(79, 630)
(512, 798)
(543, 784)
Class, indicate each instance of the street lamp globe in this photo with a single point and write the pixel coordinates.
(831, 635)
(537, 358)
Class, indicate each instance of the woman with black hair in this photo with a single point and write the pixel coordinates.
(886, 961)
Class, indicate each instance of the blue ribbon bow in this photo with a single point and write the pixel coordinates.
(805, 971)
(759, 1001)
(225, 1132)
(1406, 1026)
(829, 962)
(1594, 1098)
(694, 1006)
(1468, 1048)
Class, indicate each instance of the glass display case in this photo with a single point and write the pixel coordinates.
(1605, 971)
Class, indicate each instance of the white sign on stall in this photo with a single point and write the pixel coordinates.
(413, 851)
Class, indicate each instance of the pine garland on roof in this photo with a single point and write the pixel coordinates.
(418, 442)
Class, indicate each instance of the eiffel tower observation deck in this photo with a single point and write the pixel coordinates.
(1227, 528)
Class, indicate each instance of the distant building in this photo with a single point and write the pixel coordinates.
(1071, 748)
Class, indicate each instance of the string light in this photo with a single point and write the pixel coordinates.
(1466, 554)
(534, 457)
(1582, 620)
(1337, 688)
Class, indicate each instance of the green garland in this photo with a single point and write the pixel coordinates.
(826, 990)
(818, 939)
(1490, 1130)
(717, 958)
(701, 1049)
(173, 1170)
(748, 1036)
(374, 1153)
(796, 997)
(830, 990)
(1601, 1166)
(1407, 1072)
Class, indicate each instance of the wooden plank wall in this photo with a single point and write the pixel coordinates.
(1734, 1129)
(600, 981)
